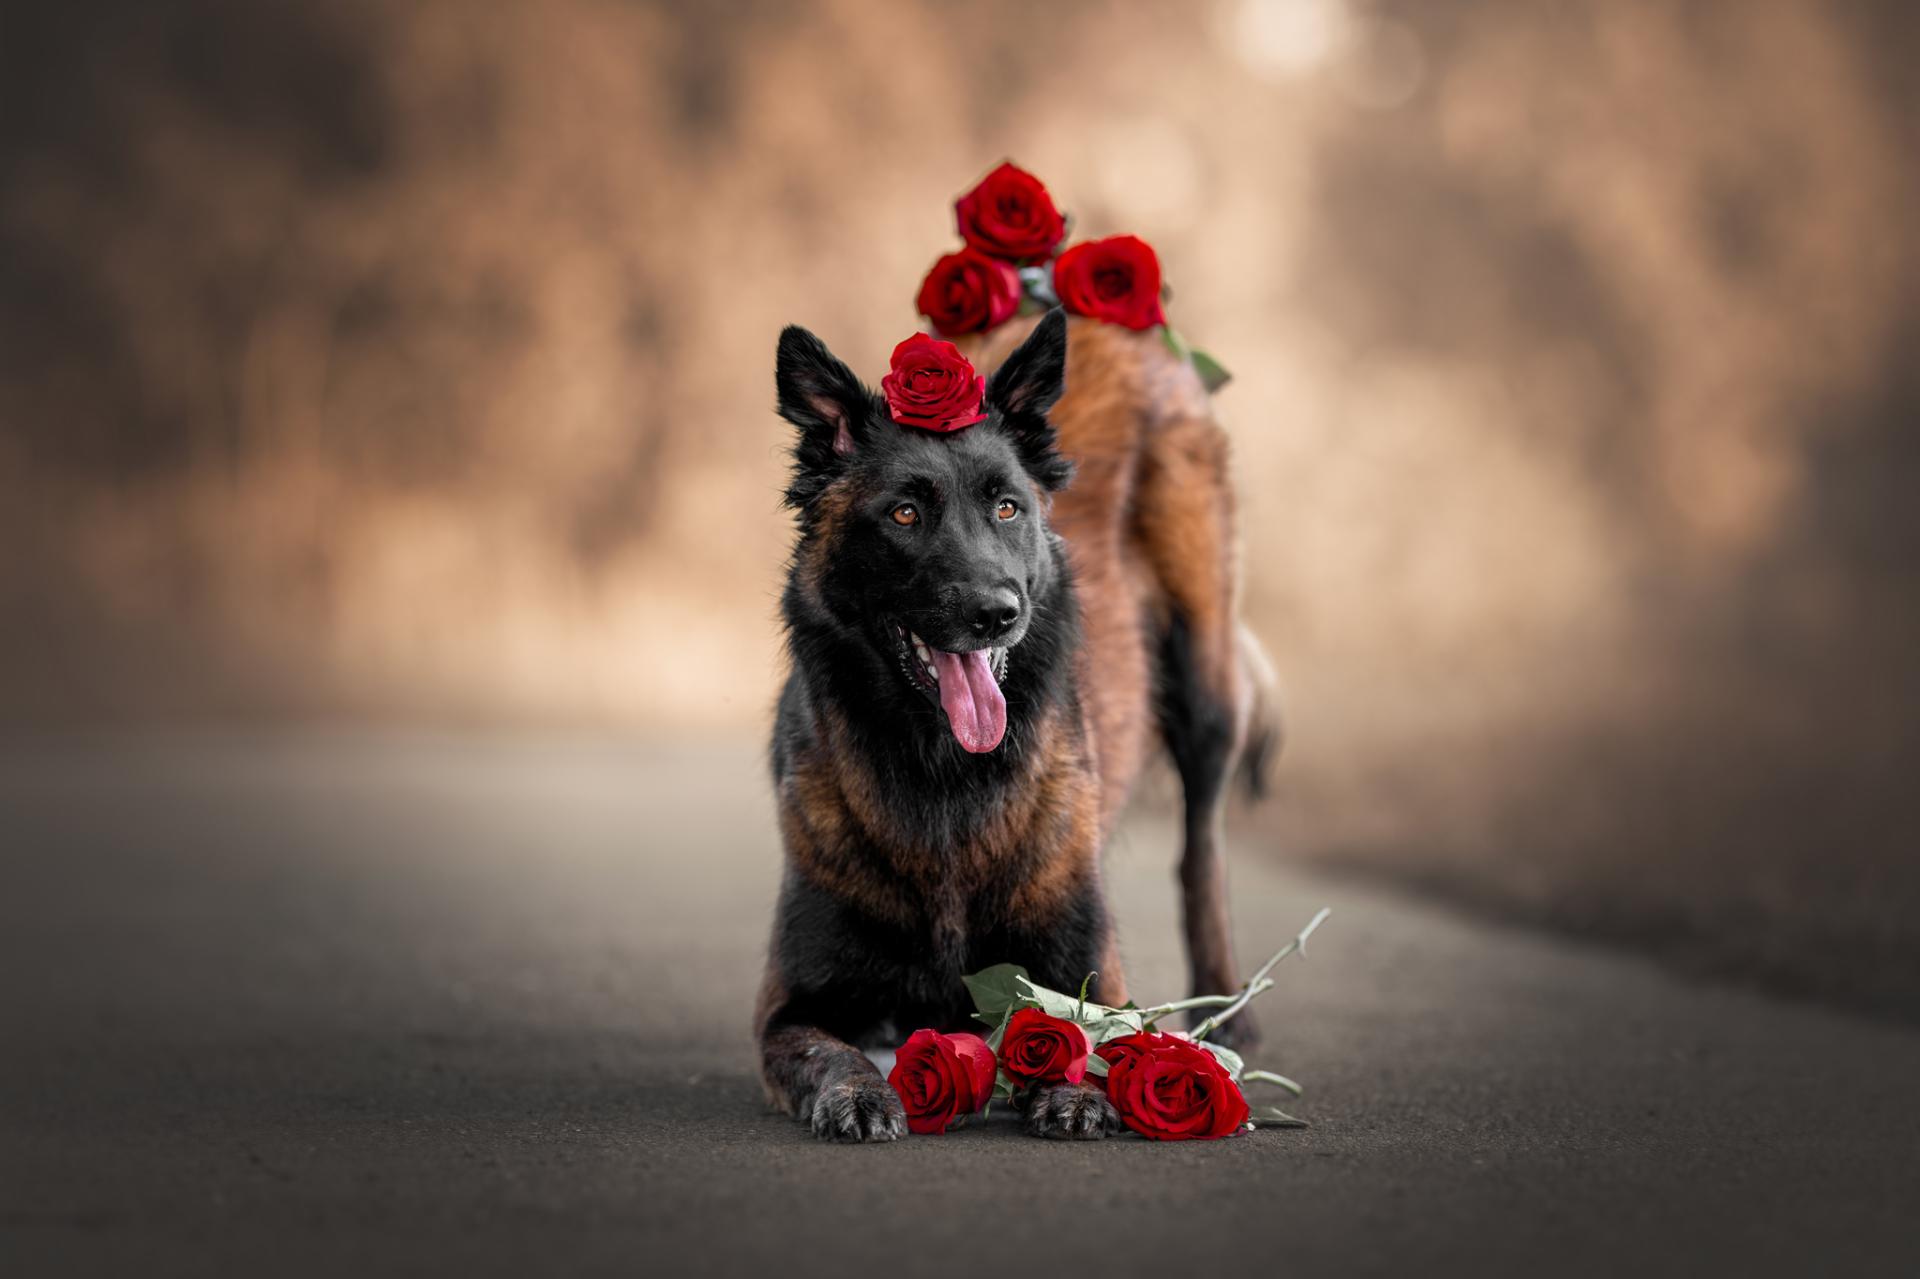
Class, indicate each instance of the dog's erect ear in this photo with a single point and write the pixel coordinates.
(822, 397)
(1025, 388)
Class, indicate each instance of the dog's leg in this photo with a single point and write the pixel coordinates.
(1081, 1112)
(1185, 522)
(817, 1077)
(1110, 986)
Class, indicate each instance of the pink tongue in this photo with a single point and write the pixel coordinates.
(976, 711)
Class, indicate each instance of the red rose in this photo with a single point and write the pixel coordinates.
(1041, 1049)
(941, 1078)
(969, 292)
(1116, 279)
(1010, 215)
(1127, 1048)
(933, 386)
(1171, 1089)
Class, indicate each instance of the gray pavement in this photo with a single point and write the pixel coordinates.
(396, 1004)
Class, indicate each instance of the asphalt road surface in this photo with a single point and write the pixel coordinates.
(373, 1004)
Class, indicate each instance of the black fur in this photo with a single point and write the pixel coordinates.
(1199, 731)
(862, 974)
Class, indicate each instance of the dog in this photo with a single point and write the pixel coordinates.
(988, 628)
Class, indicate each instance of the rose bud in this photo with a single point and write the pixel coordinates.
(1116, 279)
(1171, 1089)
(969, 292)
(941, 1079)
(1042, 1049)
(933, 386)
(1010, 215)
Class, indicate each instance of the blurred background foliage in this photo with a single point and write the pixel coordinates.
(413, 363)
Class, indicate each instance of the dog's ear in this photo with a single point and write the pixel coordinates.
(822, 397)
(1025, 388)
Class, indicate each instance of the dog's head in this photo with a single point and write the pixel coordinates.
(931, 548)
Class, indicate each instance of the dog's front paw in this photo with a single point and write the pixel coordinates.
(1075, 1112)
(858, 1107)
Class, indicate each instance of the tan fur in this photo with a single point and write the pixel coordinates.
(1148, 520)
(1043, 845)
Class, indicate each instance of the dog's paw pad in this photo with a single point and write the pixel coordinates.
(858, 1108)
(1072, 1112)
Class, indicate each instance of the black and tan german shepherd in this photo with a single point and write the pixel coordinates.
(981, 651)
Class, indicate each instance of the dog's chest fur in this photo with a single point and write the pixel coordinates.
(913, 886)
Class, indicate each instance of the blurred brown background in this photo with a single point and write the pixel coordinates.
(414, 363)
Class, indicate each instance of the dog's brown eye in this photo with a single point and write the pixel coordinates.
(905, 516)
(1006, 510)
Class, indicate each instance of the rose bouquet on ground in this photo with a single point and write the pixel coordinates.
(1165, 1085)
(1011, 264)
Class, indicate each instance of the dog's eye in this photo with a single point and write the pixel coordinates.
(1007, 509)
(905, 516)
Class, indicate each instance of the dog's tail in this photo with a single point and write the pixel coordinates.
(1266, 730)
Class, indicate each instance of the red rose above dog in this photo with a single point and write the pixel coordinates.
(933, 386)
(941, 1079)
(1010, 215)
(1010, 220)
(1171, 1089)
(1116, 279)
(1039, 1048)
(969, 292)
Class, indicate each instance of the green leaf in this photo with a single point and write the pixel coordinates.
(1051, 1002)
(1096, 1064)
(1228, 1058)
(1212, 374)
(1274, 1117)
(995, 989)
(1113, 1025)
(1004, 989)
(1175, 342)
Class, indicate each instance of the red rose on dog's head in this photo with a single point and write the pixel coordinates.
(969, 292)
(1171, 1089)
(941, 1078)
(933, 386)
(1116, 279)
(1010, 215)
(1042, 1049)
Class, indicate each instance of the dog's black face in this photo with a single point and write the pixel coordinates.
(931, 548)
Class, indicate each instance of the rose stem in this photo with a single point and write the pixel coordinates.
(1198, 1001)
(1268, 1077)
(1247, 992)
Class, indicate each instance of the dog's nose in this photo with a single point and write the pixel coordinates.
(992, 613)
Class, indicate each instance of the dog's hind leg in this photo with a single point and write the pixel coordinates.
(1185, 524)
